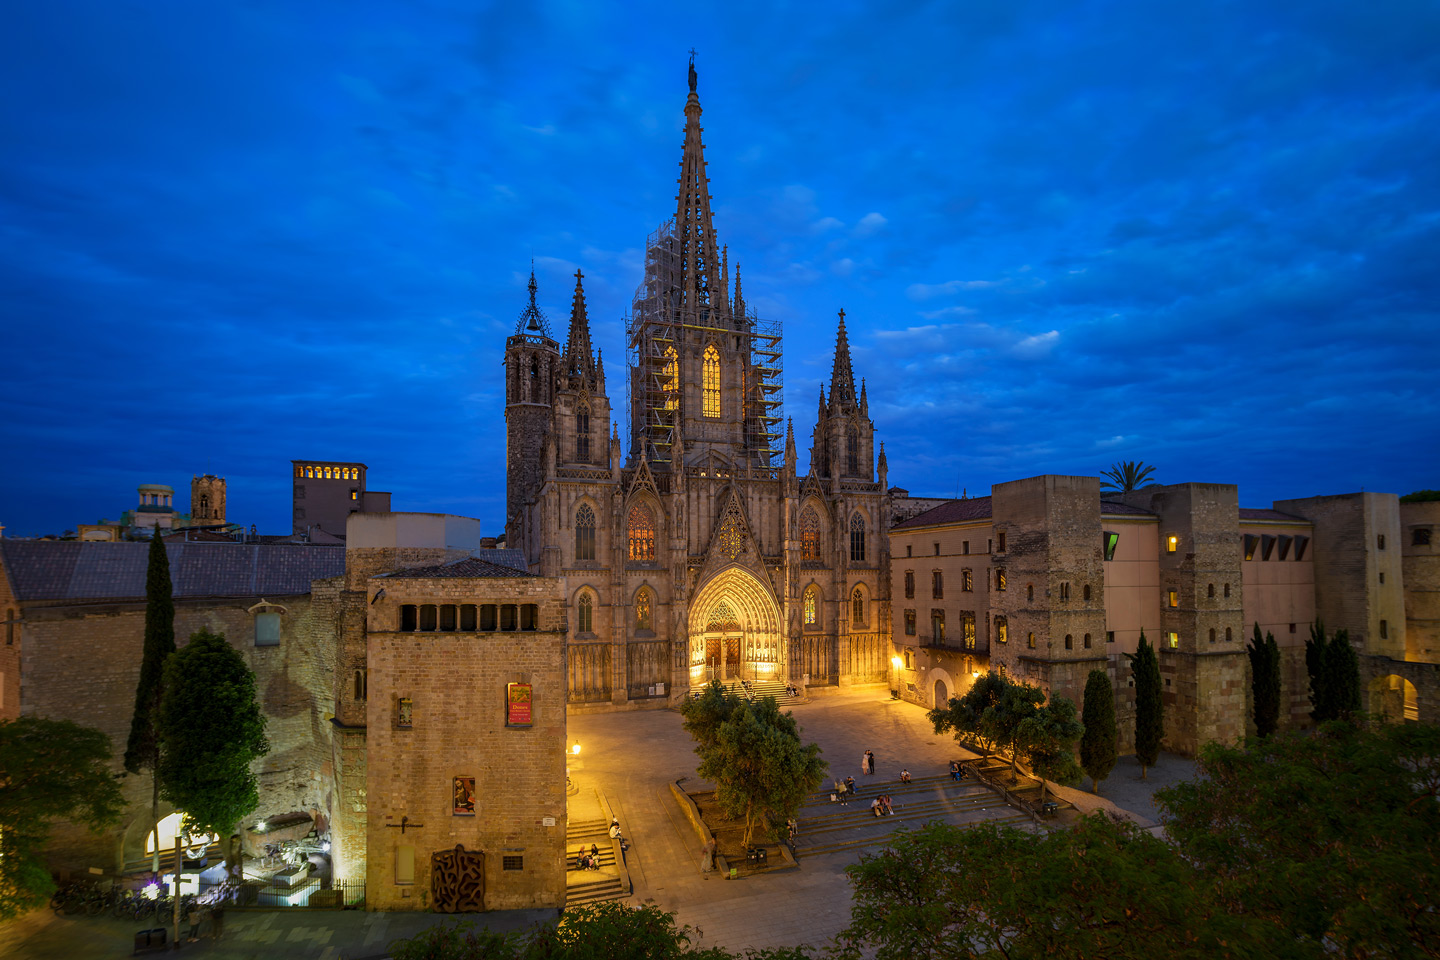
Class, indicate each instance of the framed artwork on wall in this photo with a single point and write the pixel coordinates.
(464, 796)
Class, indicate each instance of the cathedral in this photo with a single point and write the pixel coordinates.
(701, 553)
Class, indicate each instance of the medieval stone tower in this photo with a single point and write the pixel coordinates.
(701, 553)
(207, 501)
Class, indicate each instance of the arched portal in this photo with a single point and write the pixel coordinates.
(942, 695)
(1394, 698)
(734, 630)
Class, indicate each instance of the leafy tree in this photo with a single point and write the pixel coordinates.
(992, 709)
(49, 770)
(1098, 746)
(752, 752)
(1265, 681)
(1342, 670)
(1331, 836)
(142, 751)
(211, 729)
(1149, 709)
(1421, 496)
(1048, 741)
(1102, 889)
(1126, 476)
(962, 715)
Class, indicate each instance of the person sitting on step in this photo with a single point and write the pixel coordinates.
(877, 808)
(904, 776)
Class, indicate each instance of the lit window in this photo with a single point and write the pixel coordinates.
(1174, 638)
(857, 539)
(670, 382)
(710, 374)
(1030, 640)
(1171, 543)
(812, 606)
(586, 618)
(1112, 540)
(857, 608)
(354, 494)
(809, 535)
(643, 618)
(967, 580)
(1000, 579)
(1174, 598)
(967, 629)
(641, 533)
(1002, 630)
(584, 533)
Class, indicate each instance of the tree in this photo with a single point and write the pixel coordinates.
(1421, 496)
(1149, 710)
(1098, 749)
(142, 751)
(1315, 663)
(1265, 681)
(49, 770)
(211, 729)
(1104, 888)
(1126, 476)
(993, 708)
(1048, 741)
(1342, 669)
(752, 752)
(962, 715)
(1272, 826)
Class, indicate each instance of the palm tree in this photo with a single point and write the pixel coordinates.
(1126, 476)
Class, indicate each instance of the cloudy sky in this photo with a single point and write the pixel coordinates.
(1202, 235)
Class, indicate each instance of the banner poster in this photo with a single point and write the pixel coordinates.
(517, 700)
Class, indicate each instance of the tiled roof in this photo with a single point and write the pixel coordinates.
(1114, 507)
(466, 567)
(1265, 513)
(75, 570)
(953, 511)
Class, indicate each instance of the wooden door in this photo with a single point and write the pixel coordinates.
(732, 653)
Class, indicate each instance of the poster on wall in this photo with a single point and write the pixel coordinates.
(464, 796)
(517, 704)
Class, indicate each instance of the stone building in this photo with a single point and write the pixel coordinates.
(207, 501)
(700, 552)
(1044, 580)
(326, 492)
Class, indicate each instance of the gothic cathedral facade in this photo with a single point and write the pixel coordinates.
(701, 553)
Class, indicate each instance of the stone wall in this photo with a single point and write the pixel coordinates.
(1420, 560)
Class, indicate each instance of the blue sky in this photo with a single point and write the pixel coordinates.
(1206, 236)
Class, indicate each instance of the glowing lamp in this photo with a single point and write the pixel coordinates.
(575, 749)
(896, 662)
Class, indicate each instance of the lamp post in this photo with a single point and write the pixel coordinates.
(895, 663)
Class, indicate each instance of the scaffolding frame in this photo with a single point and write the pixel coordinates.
(657, 323)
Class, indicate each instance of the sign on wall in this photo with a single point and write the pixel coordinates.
(517, 704)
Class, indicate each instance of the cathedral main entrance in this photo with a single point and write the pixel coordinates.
(735, 630)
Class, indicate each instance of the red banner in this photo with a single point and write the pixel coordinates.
(517, 704)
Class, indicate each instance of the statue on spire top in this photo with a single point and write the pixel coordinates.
(693, 77)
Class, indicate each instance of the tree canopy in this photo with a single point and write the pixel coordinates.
(1334, 673)
(211, 729)
(992, 710)
(1098, 747)
(753, 754)
(49, 770)
(1048, 739)
(1125, 476)
(1264, 655)
(1149, 707)
(1421, 496)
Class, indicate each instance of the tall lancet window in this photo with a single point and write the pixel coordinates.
(809, 535)
(641, 529)
(584, 533)
(857, 539)
(582, 434)
(710, 382)
(670, 380)
(852, 452)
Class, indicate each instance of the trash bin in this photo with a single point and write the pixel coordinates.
(149, 941)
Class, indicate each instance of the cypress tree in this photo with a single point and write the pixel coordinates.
(142, 751)
(1342, 676)
(1149, 711)
(1098, 745)
(1315, 665)
(1265, 681)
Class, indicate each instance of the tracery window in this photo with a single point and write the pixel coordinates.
(644, 619)
(809, 535)
(585, 618)
(857, 608)
(641, 533)
(852, 452)
(670, 380)
(812, 606)
(582, 435)
(710, 382)
(857, 539)
(584, 533)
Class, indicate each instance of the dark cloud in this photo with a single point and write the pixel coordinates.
(1063, 234)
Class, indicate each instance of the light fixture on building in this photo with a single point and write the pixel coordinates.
(897, 663)
(575, 749)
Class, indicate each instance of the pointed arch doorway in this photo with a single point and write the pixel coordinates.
(734, 630)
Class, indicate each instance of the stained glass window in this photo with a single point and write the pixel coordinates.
(641, 531)
(857, 608)
(710, 377)
(857, 539)
(586, 618)
(584, 533)
(809, 535)
(643, 606)
(812, 604)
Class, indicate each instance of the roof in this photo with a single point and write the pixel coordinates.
(488, 566)
(98, 570)
(1265, 513)
(953, 511)
(1114, 507)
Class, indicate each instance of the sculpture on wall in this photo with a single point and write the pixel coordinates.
(457, 880)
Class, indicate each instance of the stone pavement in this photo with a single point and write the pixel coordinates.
(631, 758)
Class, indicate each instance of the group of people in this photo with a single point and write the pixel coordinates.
(204, 921)
(588, 859)
(843, 790)
(957, 772)
(882, 806)
(791, 690)
(867, 762)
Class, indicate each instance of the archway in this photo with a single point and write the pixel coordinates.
(734, 630)
(1394, 698)
(942, 695)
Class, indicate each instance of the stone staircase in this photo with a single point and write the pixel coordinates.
(759, 689)
(610, 882)
(828, 827)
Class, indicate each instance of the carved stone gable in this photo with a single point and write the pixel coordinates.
(732, 536)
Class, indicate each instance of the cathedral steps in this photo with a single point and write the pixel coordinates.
(759, 689)
(610, 882)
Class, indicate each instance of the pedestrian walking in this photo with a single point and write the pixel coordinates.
(217, 922)
(192, 917)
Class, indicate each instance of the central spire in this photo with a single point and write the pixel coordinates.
(694, 231)
(579, 359)
(842, 377)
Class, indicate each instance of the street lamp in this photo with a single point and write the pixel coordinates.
(575, 749)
